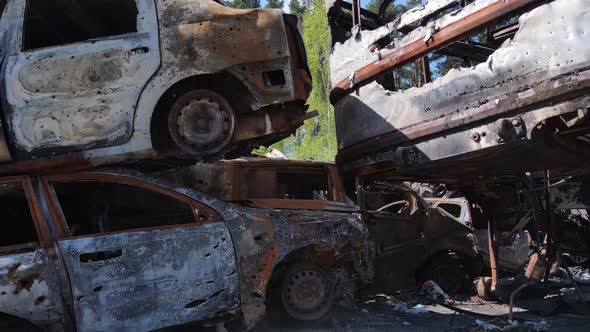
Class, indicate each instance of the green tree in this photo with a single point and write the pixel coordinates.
(297, 8)
(242, 4)
(316, 139)
(392, 11)
(274, 4)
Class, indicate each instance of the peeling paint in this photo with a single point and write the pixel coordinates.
(162, 278)
(29, 288)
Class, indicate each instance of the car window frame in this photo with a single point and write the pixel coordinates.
(140, 26)
(63, 229)
(44, 239)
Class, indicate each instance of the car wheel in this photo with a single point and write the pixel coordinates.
(447, 271)
(201, 122)
(307, 292)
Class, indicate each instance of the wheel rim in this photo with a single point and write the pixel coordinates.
(307, 294)
(201, 122)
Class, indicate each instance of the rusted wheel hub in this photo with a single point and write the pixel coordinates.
(201, 122)
(307, 293)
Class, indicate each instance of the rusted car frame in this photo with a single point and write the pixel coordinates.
(422, 44)
(145, 79)
(217, 265)
(523, 88)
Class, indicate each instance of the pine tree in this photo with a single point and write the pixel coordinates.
(244, 4)
(275, 4)
(297, 8)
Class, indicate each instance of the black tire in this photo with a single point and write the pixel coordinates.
(201, 122)
(307, 292)
(447, 271)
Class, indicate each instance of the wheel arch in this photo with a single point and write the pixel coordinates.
(224, 83)
(325, 254)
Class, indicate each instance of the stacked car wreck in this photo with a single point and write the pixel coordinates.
(508, 130)
(500, 142)
(105, 82)
(108, 81)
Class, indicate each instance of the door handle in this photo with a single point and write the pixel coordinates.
(139, 50)
(100, 256)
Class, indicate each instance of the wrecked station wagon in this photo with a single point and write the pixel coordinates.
(115, 250)
(95, 82)
(411, 241)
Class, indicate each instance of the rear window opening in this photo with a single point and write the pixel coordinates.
(286, 183)
(60, 22)
(303, 186)
(16, 216)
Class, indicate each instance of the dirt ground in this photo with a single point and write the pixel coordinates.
(396, 313)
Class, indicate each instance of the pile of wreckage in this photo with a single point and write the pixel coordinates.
(461, 198)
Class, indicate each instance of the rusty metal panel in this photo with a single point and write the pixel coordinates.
(544, 64)
(81, 94)
(29, 288)
(202, 37)
(264, 237)
(146, 280)
(205, 37)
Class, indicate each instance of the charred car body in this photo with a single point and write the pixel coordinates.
(116, 250)
(95, 82)
(507, 127)
(521, 93)
(411, 241)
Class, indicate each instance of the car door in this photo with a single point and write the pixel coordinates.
(395, 223)
(29, 282)
(141, 256)
(75, 70)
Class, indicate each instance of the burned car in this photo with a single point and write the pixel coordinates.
(114, 250)
(492, 82)
(411, 241)
(96, 82)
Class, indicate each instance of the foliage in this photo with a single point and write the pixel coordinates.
(411, 74)
(244, 4)
(316, 139)
(274, 4)
(298, 8)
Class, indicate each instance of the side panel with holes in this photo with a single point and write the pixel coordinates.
(29, 288)
(81, 94)
(150, 279)
(487, 113)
